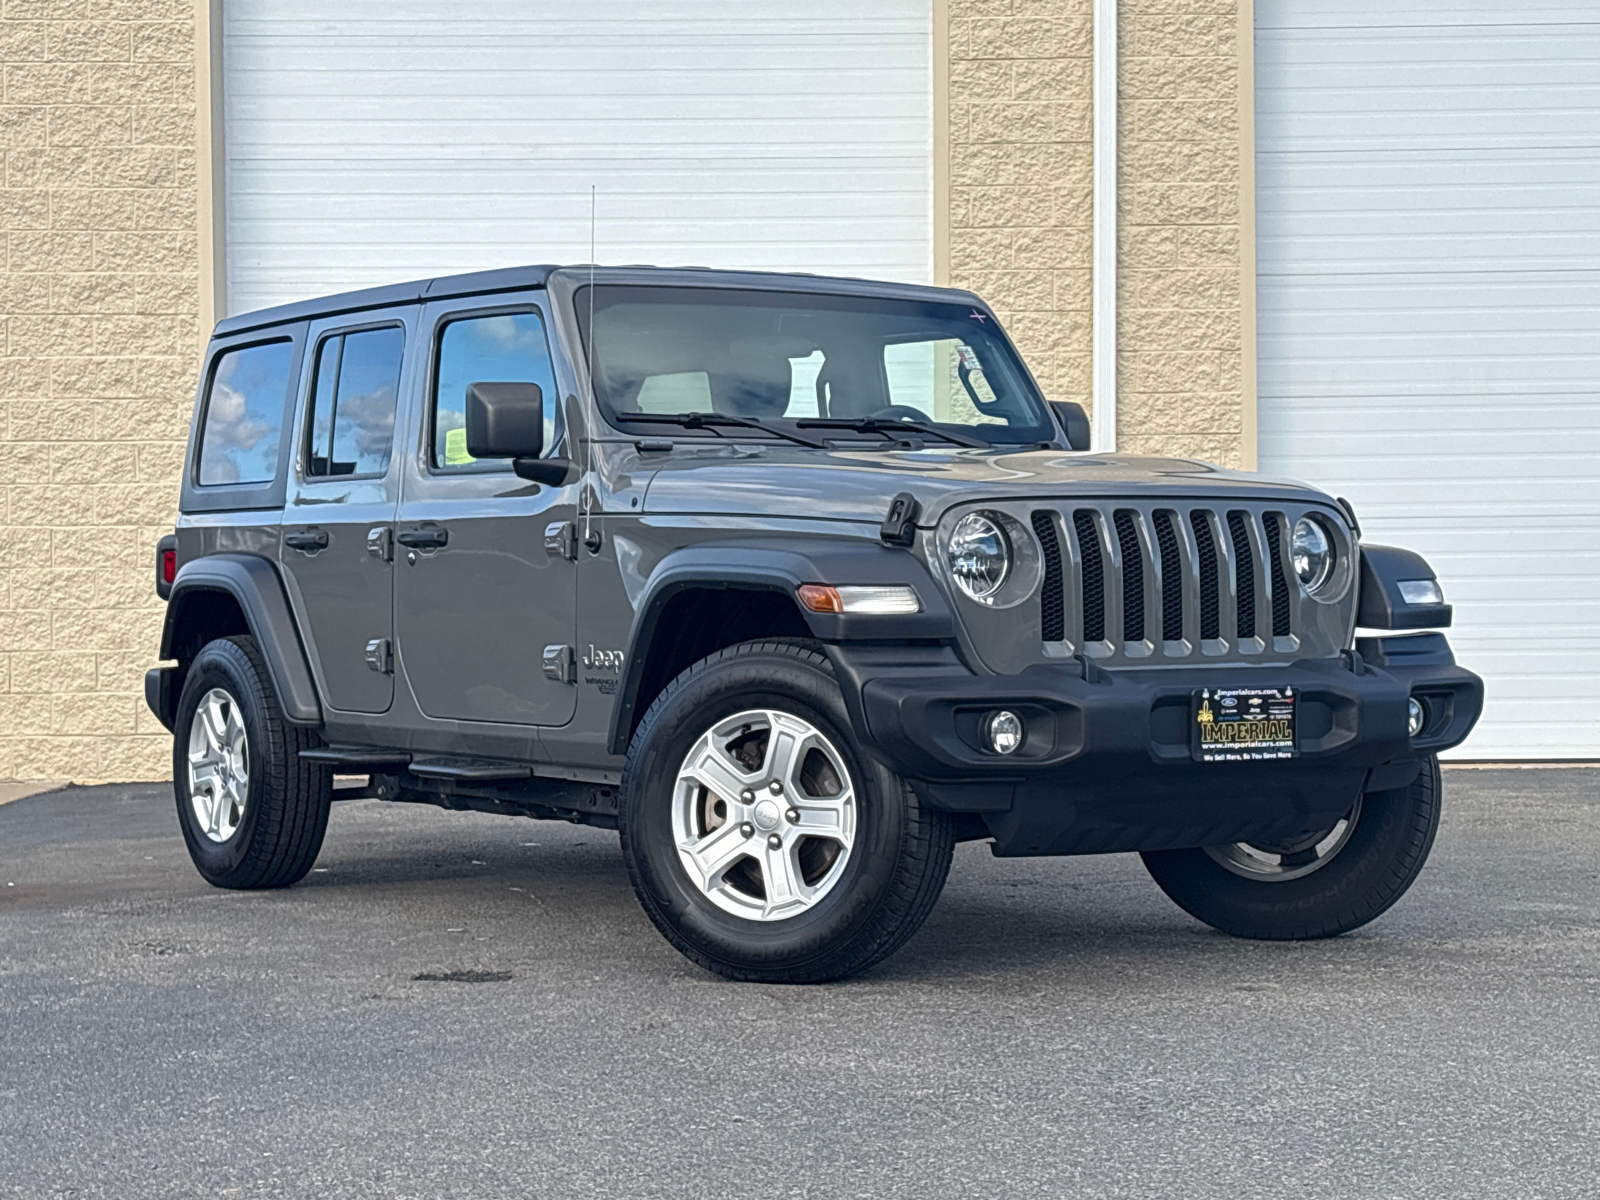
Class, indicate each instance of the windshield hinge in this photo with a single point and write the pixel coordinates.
(899, 527)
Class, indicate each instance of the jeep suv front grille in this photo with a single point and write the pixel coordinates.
(1213, 581)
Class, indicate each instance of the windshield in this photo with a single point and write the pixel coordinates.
(799, 357)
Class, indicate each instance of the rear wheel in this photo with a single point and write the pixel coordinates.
(1320, 884)
(760, 839)
(253, 813)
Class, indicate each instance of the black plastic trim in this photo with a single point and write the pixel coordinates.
(760, 567)
(1381, 605)
(253, 582)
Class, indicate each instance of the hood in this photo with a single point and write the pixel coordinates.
(857, 484)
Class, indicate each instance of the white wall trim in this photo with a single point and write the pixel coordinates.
(1103, 421)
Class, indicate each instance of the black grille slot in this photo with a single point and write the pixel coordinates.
(1206, 549)
(1052, 614)
(1094, 584)
(1171, 578)
(1132, 578)
(1280, 583)
(1244, 573)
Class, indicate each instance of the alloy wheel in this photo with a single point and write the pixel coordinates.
(764, 815)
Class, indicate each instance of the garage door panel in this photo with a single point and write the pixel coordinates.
(379, 141)
(1429, 317)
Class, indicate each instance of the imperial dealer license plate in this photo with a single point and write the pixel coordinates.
(1243, 724)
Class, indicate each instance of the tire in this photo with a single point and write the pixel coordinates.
(273, 837)
(1382, 851)
(827, 887)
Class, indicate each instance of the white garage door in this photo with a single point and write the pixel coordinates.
(1429, 246)
(374, 140)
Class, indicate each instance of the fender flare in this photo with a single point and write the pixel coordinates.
(754, 566)
(1381, 606)
(253, 582)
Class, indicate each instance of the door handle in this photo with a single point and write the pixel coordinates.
(308, 540)
(423, 537)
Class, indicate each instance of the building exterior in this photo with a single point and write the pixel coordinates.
(169, 161)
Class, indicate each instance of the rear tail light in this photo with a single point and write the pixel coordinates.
(166, 565)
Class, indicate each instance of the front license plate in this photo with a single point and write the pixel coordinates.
(1243, 724)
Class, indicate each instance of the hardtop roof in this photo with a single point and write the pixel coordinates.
(513, 279)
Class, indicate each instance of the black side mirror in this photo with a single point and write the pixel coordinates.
(1074, 422)
(505, 420)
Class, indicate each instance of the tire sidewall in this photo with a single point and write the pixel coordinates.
(1371, 871)
(225, 665)
(673, 900)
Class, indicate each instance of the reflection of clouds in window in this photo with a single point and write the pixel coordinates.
(366, 428)
(358, 378)
(244, 415)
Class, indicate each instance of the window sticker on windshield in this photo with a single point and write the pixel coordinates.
(969, 357)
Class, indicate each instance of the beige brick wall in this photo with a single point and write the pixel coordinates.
(99, 312)
(1021, 161)
(1181, 370)
(1021, 211)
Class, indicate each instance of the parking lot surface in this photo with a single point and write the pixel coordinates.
(1058, 1028)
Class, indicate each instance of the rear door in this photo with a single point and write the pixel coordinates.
(337, 544)
(485, 589)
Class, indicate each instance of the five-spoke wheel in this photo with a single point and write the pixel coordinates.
(764, 814)
(219, 765)
(760, 839)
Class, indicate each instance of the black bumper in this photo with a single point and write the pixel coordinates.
(1106, 763)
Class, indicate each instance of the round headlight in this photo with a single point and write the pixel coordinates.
(1312, 551)
(979, 556)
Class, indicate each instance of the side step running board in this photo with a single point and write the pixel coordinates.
(468, 768)
(429, 767)
(357, 756)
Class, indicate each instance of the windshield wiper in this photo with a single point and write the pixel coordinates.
(695, 420)
(889, 428)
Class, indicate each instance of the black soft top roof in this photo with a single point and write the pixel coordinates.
(514, 279)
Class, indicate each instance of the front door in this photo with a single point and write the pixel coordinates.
(336, 551)
(485, 585)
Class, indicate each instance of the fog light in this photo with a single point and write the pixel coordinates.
(1416, 715)
(1003, 731)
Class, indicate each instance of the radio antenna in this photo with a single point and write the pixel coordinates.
(585, 492)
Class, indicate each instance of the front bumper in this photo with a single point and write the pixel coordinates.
(1106, 763)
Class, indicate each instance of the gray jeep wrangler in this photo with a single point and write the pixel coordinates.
(795, 582)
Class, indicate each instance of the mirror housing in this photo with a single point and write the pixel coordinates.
(505, 420)
(1074, 422)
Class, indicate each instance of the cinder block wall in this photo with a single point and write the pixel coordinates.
(99, 311)
(1021, 211)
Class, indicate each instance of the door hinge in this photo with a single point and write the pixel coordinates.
(561, 539)
(380, 543)
(379, 656)
(561, 664)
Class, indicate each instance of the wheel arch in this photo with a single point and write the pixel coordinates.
(223, 595)
(705, 598)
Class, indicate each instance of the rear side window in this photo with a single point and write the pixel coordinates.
(352, 403)
(504, 348)
(244, 414)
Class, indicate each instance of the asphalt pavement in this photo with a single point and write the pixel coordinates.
(1057, 1029)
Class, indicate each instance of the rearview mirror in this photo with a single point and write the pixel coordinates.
(1074, 423)
(505, 420)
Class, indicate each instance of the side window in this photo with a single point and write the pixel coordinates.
(504, 348)
(352, 405)
(244, 414)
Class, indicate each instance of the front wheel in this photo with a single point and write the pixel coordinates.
(1320, 884)
(760, 839)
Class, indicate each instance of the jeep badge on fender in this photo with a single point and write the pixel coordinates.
(795, 582)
